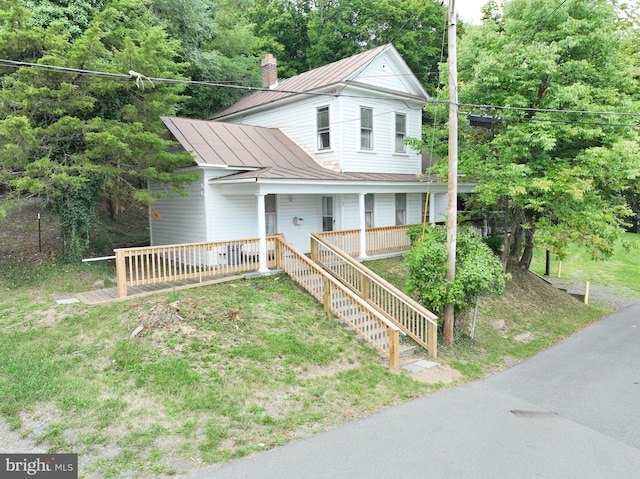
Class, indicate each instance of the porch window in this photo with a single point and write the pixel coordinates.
(270, 214)
(366, 128)
(401, 209)
(401, 132)
(324, 140)
(368, 210)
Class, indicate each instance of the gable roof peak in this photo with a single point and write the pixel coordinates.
(341, 71)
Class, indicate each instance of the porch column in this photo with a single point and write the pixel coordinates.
(363, 226)
(432, 208)
(262, 234)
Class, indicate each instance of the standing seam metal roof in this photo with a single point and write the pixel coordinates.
(259, 152)
(309, 81)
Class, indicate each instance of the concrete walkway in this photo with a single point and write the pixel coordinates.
(572, 411)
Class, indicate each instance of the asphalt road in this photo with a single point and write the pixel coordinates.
(572, 411)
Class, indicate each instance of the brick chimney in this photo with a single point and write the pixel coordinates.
(269, 71)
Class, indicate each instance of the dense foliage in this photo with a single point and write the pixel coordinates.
(75, 140)
(559, 175)
(478, 270)
(312, 33)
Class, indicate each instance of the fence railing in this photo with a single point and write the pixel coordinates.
(339, 300)
(413, 319)
(384, 239)
(387, 238)
(159, 264)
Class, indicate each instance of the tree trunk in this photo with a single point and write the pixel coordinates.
(527, 254)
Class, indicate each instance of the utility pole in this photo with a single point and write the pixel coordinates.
(452, 190)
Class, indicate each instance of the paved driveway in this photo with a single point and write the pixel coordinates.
(572, 411)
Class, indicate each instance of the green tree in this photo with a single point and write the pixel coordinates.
(282, 26)
(73, 15)
(218, 45)
(559, 175)
(341, 28)
(478, 270)
(76, 139)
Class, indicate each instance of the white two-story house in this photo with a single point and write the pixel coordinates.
(324, 150)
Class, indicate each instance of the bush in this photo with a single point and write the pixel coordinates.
(478, 270)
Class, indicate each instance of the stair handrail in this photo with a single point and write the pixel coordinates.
(430, 342)
(329, 281)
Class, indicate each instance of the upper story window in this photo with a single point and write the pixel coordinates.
(401, 132)
(366, 128)
(324, 137)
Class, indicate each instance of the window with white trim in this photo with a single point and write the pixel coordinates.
(401, 132)
(369, 201)
(324, 137)
(401, 209)
(270, 214)
(366, 128)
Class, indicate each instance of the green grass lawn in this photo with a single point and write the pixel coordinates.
(216, 373)
(223, 371)
(623, 269)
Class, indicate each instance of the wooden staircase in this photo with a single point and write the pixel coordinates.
(411, 318)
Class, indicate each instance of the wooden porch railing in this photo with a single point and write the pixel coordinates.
(412, 318)
(159, 264)
(384, 239)
(339, 300)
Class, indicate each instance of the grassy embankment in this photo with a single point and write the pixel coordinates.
(221, 371)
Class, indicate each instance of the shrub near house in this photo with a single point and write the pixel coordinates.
(478, 270)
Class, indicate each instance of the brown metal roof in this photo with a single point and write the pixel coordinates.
(261, 152)
(310, 81)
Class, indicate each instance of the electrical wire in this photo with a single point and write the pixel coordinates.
(136, 76)
(568, 122)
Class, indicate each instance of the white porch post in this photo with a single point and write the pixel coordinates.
(432, 209)
(262, 232)
(363, 226)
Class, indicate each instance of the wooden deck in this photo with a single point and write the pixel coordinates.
(109, 295)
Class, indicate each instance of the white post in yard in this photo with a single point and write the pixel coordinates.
(262, 232)
(363, 226)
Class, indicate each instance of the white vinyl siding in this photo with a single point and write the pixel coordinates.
(440, 206)
(385, 209)
(300, 206)
(415, 205)
(179, 219)
(382, 158)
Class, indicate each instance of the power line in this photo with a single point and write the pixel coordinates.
(137, 76)
(537, 110)
(568, 122)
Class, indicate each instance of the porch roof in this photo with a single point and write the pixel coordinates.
(261, 153)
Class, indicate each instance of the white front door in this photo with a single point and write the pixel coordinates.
(328, 214)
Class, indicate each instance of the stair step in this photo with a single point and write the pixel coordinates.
(407, 350)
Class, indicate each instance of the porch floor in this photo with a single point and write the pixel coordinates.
(109, 295)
